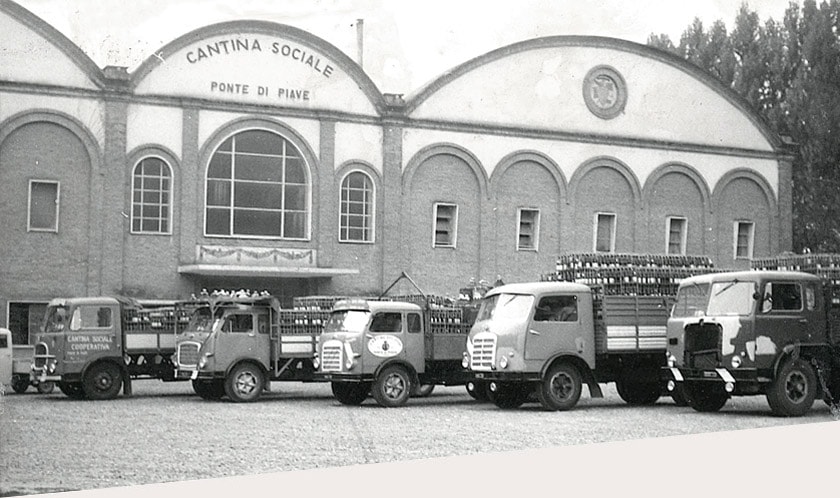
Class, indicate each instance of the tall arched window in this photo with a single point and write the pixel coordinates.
(150, 196)
(257, 186)
(356, 223)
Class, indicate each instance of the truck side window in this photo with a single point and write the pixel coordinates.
(414, 323)
(239, 323)
(782, 297)
(557, 309)
(386, 322)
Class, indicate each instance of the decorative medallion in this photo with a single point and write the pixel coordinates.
(604, 92)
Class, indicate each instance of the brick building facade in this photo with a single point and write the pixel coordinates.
(252, 154)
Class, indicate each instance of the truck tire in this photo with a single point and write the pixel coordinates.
(102, 381)
(350, 393)
(638, 393)
(560, 388)
(46, 387)
(479, 390)
(422, 390)
(508, 396)
(705, 398)
(245, 383)
(20, 384)
(794, 389)
(209, 389)
(392, 387)
(72, 390)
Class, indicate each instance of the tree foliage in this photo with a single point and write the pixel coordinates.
(789, 72)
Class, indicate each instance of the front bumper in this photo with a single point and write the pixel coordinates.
(741, 381)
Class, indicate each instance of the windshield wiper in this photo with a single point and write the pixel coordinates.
(726, 288)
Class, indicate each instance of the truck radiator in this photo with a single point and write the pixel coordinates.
(703, 345)
(331, 356)
(483, 351)
(188, 354)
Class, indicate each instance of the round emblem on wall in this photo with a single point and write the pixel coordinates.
(604, 92)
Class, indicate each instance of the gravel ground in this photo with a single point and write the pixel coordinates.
(164, 433)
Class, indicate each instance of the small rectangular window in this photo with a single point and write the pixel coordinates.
(676, 235)
(744, 235)
(446, 225)
(528, 230)
(604, 232)
(43, 206)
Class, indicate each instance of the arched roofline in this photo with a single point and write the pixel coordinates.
(57, 39)
(415, 99)
(446, 149)
(29, 116)
(680, 168)
(533, 156)
(610, 163)
(735, 174)
(266, 28)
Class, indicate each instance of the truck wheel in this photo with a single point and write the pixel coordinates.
(705, 398)
(561, 387)
(20, 384)
(794, 389)
(209, 389)
(102, 381)
(46, 387)
(479, 390)
(392, 387)
(72, 390)
(638, 393)
(245, 383)
(510, 395)
(350, 393)
(422, 390)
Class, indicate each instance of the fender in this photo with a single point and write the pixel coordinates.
(585, 372)
(397, 361)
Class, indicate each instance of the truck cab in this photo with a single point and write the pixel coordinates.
(747, 333)
(373, 346)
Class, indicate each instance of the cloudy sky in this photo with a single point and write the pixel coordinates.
(406, 42)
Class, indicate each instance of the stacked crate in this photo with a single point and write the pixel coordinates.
(629, 274)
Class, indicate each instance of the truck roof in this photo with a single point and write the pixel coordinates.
(372, 305)
(749, 275)
(538, 288)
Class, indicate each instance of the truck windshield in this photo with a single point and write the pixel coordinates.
(506, 308)
(347, 321)
(731, 298)
(691, 301)
(56, 319)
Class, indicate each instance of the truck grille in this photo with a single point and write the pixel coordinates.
(188, 354)
(702, 345)
(483, 351)
(331, 356)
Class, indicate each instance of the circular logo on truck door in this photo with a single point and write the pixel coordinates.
(385, 345)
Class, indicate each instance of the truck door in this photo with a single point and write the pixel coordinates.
(5, 357)
(239, 338)
(555, 327)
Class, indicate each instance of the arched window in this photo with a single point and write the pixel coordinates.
(356, 223)
(257, 186)
(151, 196)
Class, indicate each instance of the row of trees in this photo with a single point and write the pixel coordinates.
(789, 71)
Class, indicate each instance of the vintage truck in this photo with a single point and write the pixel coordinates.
(392, 349)
(545, 340)
(771, 333)
(16, 365)
(94, 346)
